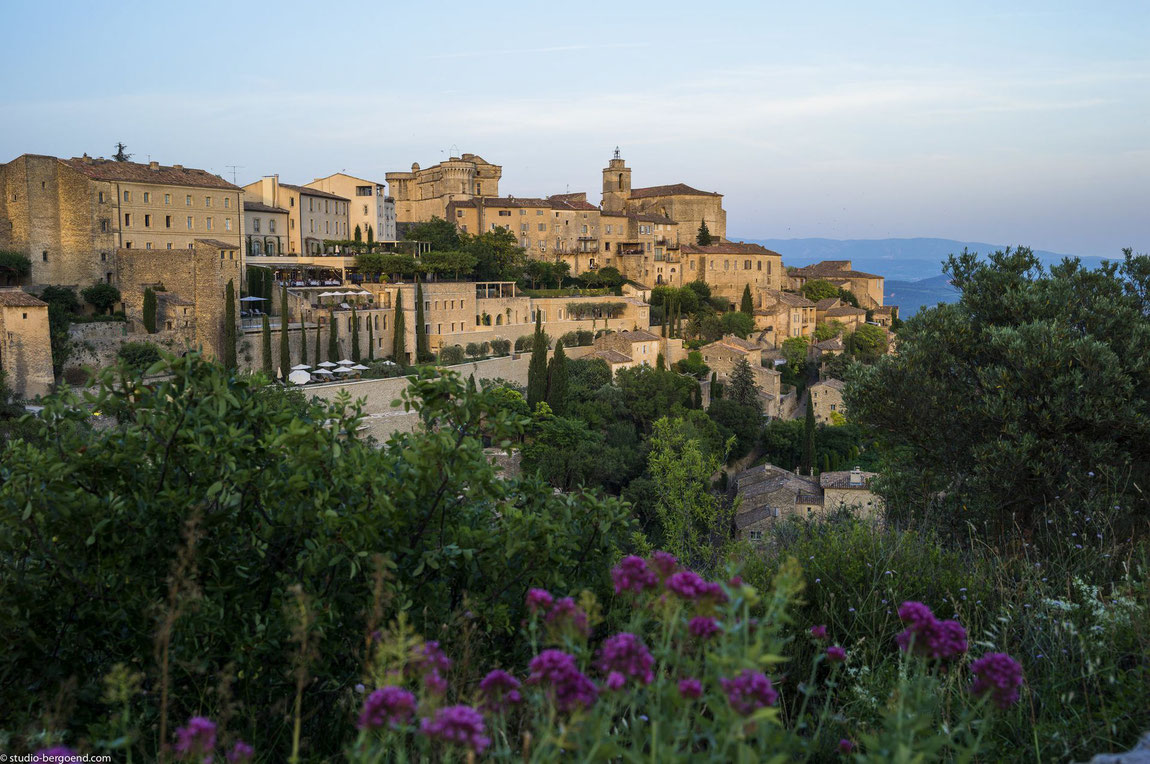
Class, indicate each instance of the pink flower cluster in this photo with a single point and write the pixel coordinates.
(633, 575)
(432, 663)
(241, 753)
(499, 691)
(703, 628)
(624, 656)
(387, 705)
(998, 674)
(569, 687)
(690, 688)
(198, 738)
(690, 586)
(927, 636)
(459, 725)
(664, 564)
(836, 654)
(566, 614)
(749, 691)
(539, 600)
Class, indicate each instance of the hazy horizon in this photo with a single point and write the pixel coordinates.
(890, 121)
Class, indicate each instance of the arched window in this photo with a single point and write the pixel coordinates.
(271, 247)
(620, 181)
(256, 248)
(498, 319)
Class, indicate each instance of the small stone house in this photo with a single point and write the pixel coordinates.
(768, 493)
(827, 400)
(850, 489)
(722, 355)
(25, 343)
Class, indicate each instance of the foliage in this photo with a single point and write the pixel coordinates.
(583, 310)
(819, 289)
(399, 338)
(565, 452)
(557, 380)
(742, 388)
(501, 346)
(523, 343)
(795, 350)
(267, 364)
(421, 346)
(546, 272)
(101, 296)
(747, 304)
(357, 235)
(1029, 392)
(737, 323)
(138, 356)
(332, 337)
(121, 154)
(869, 342)
(537, 368)
(701, 289)
(649, 394)
(303, 341)
(719, 303)
(14, 266)
(149, 311)
(741, 421)
(828, 330)
(441, 234)
(455, 262)
(451, 355)
(693, 365)
(355, 335)
(386, 263)
(257, 492)
(229, 354)
(498, 255)
(285, 347)
(61, 297)
(807, 463)
(703, 237)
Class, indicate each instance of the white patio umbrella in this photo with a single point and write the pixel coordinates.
(322, 373)
(326, 364)
(329, 294)
(252, 299)
(346, 362)
(344, 370)
(359, 367)
(300, 367)
(299, 378)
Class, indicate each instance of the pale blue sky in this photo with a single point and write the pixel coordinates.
(1003, 122)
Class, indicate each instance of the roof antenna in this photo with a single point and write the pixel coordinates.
(617, 153)
(233, 168)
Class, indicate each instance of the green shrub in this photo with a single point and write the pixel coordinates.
(138, 356)
(500, 346)
(450, 355)
(103, 297)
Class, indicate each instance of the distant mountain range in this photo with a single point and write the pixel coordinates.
(912, 267)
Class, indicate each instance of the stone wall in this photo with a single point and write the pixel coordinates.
(25, 348)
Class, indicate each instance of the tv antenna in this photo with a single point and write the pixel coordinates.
(617, 153)
(233, 168)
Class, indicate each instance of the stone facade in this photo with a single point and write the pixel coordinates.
(265, 230)
(313, 215)
(641, 347)
(25, 344)
(867, 287)
(71, 216)
(722, 355)
(730, 266)
(827, 399)
(850, 490)
(423, 194)
(685, 205)
(782, 315)
(558, 228)
(370, 206)
(767, 494)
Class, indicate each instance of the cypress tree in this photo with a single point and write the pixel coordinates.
(537, 369)
(703, 237)
(399, 344)
(150, 310)
(747, 305)
(230, 325)
(332, 338)
(557, 380)
(370, 335)
(285, 346)
(826, 462)
(266, 345)
(421, 351)
(302, 339)
(354, 336)
(358, 236)
(370, 235)
(318, 350)
(660, 362)
(808, 439)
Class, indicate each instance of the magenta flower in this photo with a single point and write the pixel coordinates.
(998, 674)
(836, 654)
(55, 753)
(539, 600)
(714, 592)
(819, 632)
(664, 563)
(199, 737)
(615, 681)
(845, 746)
(566, 614)
(749, 691)
(430, 657)
(735, 582)
(703, 628)
(459, 725)
(241, 753)
(626, 655)
(690, 688)
(387, 705)
(931, 637)
(633, 575)
(499, 691)
(687, 584)
(569, 687)
(435, 683)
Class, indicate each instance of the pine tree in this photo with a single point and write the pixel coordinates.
(557, 380)
(302, 339)
(537, 369)
(332, 338)
(421, 351)
(742, 385)
(150, 310)
(285, 346)
(808, 439)
(354, 336)
(704, 238)
(266, 345)
(370, 336)
(358, 235)
(660, 363)
(399, 344)
(230, 326)
(747, 305)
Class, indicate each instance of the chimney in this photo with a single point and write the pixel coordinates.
(153, 165)
(856, 477)
(174, 167)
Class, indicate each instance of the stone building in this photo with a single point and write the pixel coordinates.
(767, 494)
(559, 228)
(71, 216)
(644, 247)
(685, 205)
(867, 287)
(827, 400)
(423, 194)
(265, 230)
(848, 315)
(370, 208)
(782, 315)
(728, 267)
(25, 343)
(850, 490)
(723, 354)
(641, 347)
(313, 215)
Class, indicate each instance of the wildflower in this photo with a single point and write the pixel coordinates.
(632, 574)
(932, 638)
(359, 688)
(703, 628)
(664, 563)
(435, 683)
(749, 691)
(567, 613)
(387, 705)
(429, 657)
(819, 632)
(690, 688)
(713, 592)
(735, 582)
(569, 686)
(999, 674)
(498, 691)
(241, 753)
(687, 584)
(56, 753)
(846, 746)
(461, 725)
(836, 654)
(539, 599)
(615, 681)
(199, 737)
(626, 656)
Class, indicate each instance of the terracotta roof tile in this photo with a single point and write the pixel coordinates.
(611, 356)
(304, 190)
(845, 310)
(728, 248)
(674, 189)
(18, 298)
(842, 479)
(135, 172)
(831, 382)
(261, 207)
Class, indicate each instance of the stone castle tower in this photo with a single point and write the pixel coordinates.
(616, 184)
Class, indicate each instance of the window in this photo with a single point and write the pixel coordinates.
(127, 219)
(365, 209)
(167, 221)
(311, 225)
(44, 255)
(746, 265)
(227, 224)
(608, 228)
(188, 200)
(256, 225)
(584, 229)
(271, 225)
(760, 264)
(227, 202)
(327, 206)
(167, 198)
(504, 213)
(207, 201)
(542, 226)
(148, 245)
(169, 245)
(291, 202)
(209, 224)
(189, 222)
(127, 245)
(522, 212)
(104, 226)
(147, 221)
(538, 212)
(101, 197)
(147, 197)
(127, 196)
(103, 257)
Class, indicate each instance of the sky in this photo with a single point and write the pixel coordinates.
(1012, 123)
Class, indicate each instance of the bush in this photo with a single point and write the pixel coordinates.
(523, 344)
(719, 303)
(77, 376)
(14, 266)
(501, 346)
(61, 297)
(570, 339)
(138, 356)
(449, 355)
(473, 350)
(103, 297)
